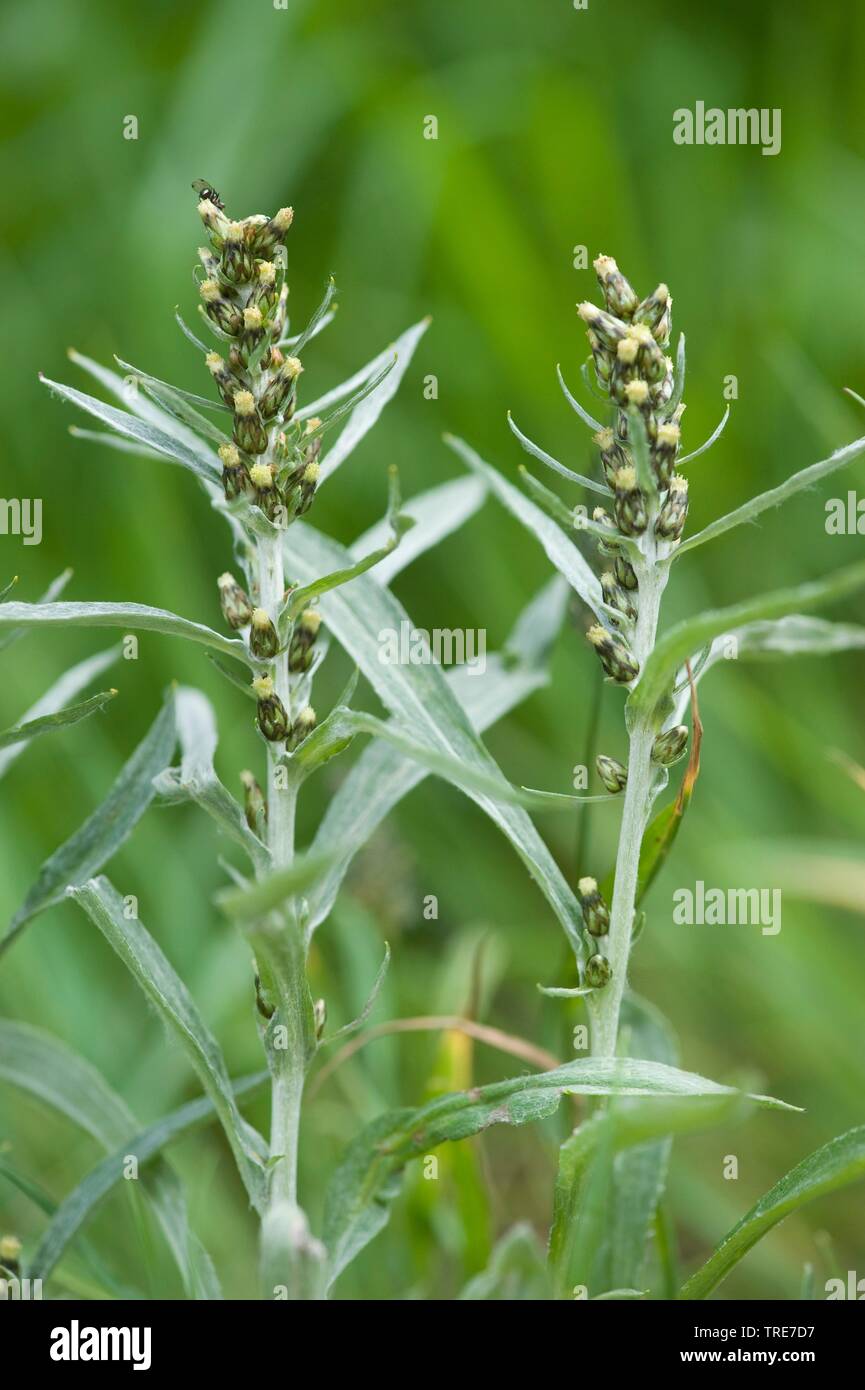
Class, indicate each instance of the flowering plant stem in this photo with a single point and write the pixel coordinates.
(605, 1005)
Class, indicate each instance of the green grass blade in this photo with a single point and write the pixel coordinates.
(836, 1164)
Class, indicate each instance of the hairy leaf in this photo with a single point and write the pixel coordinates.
(107, 828)
(175, 1006)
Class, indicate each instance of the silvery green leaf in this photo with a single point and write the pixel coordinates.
(829, 1168)
(435, 513)
(678, 378)
(572, 401)
(795, 635)
(317, 320)
(54, 590)
(676, 646)
(188, 333)
(114, 441)
(517, 1271)
(196, 779)
(66, 688)
(82, 1201)
(110, 825)
(713, 437)
(319, 328)
(45, 1068)
(591, 1150)
(561, 551)
(577, 520)
(168, 446)
(750, 510)
(135, 616)
(554, 464)
(357, 1023)
(255, 900)
(368, 1179)
(292, 1259)
(47, 723)
(125, 389)
(179, 405)
(177, 1010)
(381, 776)
(397, 525)
(343, 725)
(358, 379)
(364, 415)
(419, 697)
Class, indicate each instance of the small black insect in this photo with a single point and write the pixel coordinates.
(204, 190)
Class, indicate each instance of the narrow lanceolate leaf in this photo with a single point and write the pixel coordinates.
(56, 696)
(541, 454)
(55, 589)
(258, 899)
(795, 635)
(382, 776)
(77, 1207)
(677, 645)
(775, 496)
(419, 697)
(181, 405)
(45, 1068)
(835, 1165)
(196, 779)
(365, 414)
(367, 1180)
(559, 549)
(48, 723)
(108, 828)
(435, 513)
(131, 427)
(177, 1010)
(138, 617)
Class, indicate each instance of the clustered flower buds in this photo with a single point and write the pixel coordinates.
(244, 299)
(628, 338)
(670, 746)
(302, 727)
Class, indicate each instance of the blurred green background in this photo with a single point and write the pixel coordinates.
(554, 130)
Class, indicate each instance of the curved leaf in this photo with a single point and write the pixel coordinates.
(83, 1200)
(774, 497)
(368, 1179)
(55, 697)
(107, 828)
(175, 1006)
(562, 552)
(677, 645)
(421, 699)
(136, 616)
(836, 1164)
(45, 1068)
